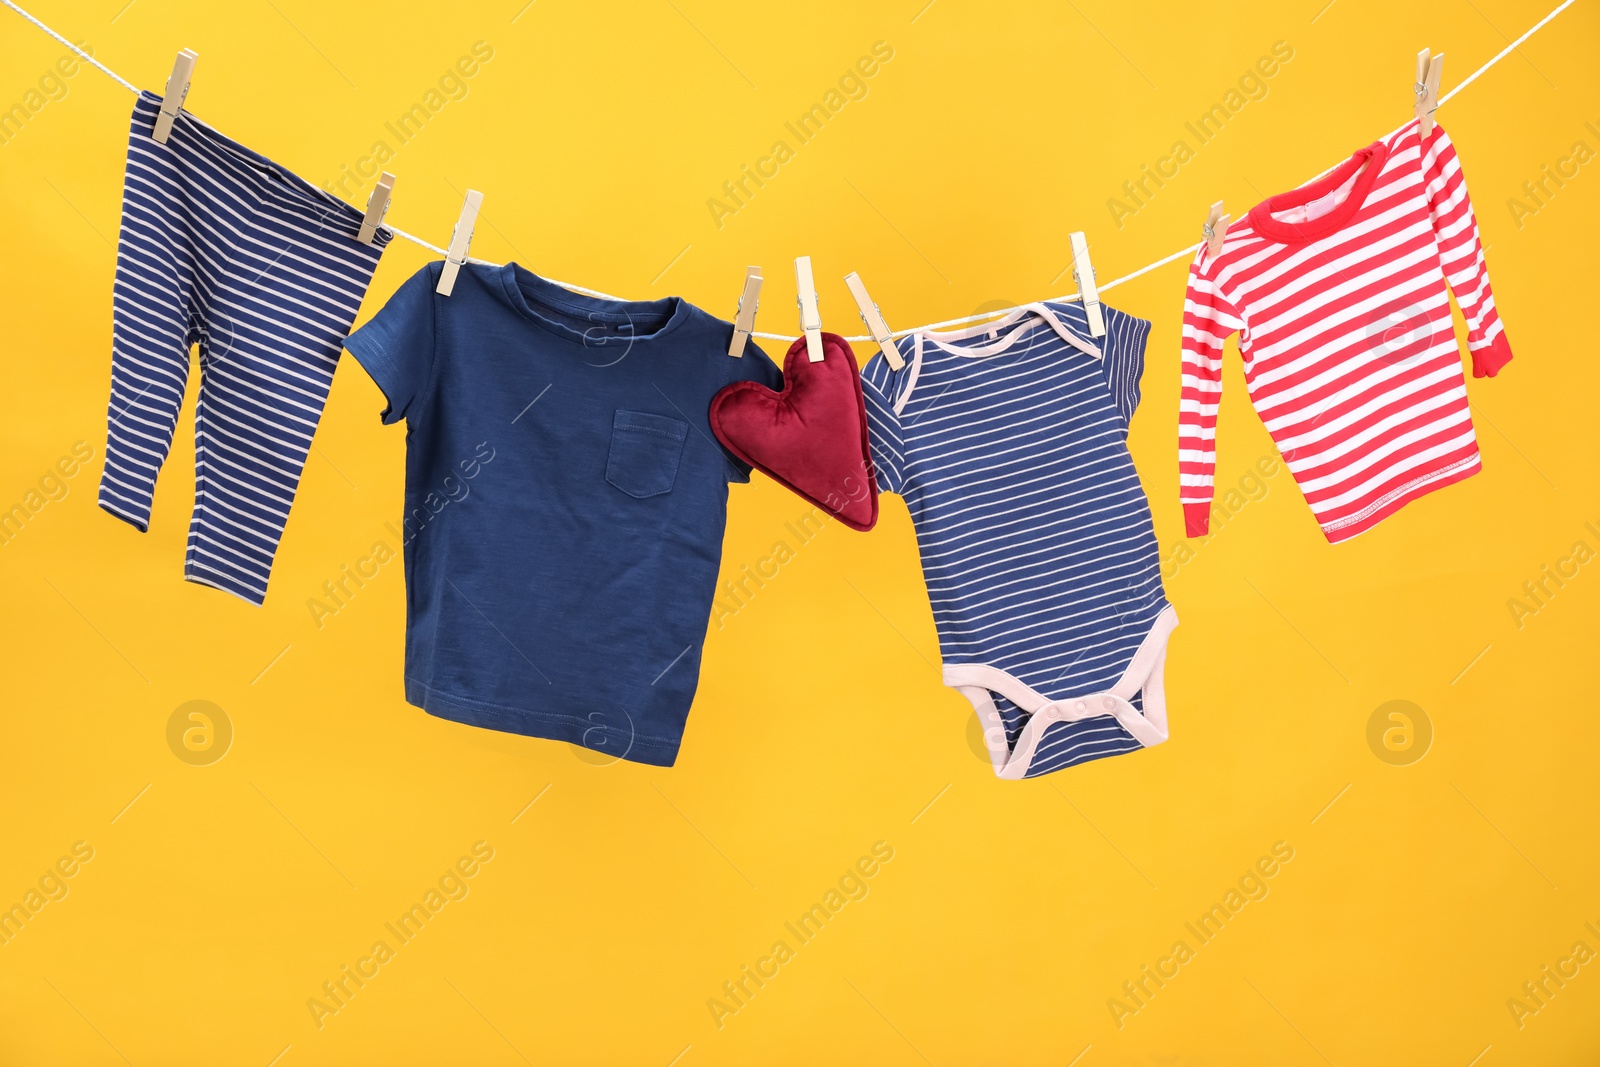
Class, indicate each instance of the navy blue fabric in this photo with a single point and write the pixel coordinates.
(224, 250)
(1035, 534)
(565, 502)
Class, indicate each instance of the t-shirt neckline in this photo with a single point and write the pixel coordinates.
(519, 281)
(1368, 161)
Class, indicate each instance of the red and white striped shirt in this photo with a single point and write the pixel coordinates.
(1337, 292)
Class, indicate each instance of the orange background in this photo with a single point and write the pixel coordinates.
(222, 893)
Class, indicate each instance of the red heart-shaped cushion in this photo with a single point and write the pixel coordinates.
(811, 436)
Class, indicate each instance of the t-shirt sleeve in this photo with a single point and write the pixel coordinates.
(397, 345)
(1122, 360)
(883, 426)
(753, 366)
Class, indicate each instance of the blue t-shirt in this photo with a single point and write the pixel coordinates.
(565, 502)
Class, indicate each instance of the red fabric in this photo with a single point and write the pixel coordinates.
(1349, 353)
(811, 436)
(1486, 362)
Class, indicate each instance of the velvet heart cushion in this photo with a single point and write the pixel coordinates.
(811, 436)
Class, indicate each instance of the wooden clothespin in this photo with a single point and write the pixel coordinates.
(460, 240)
(872, 315)
(744, 320)
(1216, 228)
(377, 208)
(1429, 73)
(810, 318)
(177, 90)
(1083, 271)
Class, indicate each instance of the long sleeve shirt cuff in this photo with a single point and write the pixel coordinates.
(1486, 362)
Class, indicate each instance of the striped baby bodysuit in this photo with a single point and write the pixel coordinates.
(1008, 443)
(1338, 293)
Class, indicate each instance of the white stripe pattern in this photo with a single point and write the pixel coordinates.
(222, 249)
(1338, 293)
(1036, 540)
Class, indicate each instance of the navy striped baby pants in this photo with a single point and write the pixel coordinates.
(230, 253)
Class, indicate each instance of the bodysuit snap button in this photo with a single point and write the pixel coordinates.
(1083, 706)
(1111, 703)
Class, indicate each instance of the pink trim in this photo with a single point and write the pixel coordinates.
(994, 727)
(1145, 672)
(1020, 318)
(1017, 318)
(911, 379)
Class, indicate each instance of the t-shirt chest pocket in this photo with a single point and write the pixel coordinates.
(645, 450)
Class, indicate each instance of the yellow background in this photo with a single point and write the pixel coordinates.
(220, 898)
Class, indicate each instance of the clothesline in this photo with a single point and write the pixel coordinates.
(1182, 253)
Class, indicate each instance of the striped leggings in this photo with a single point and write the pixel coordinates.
(228, 252)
